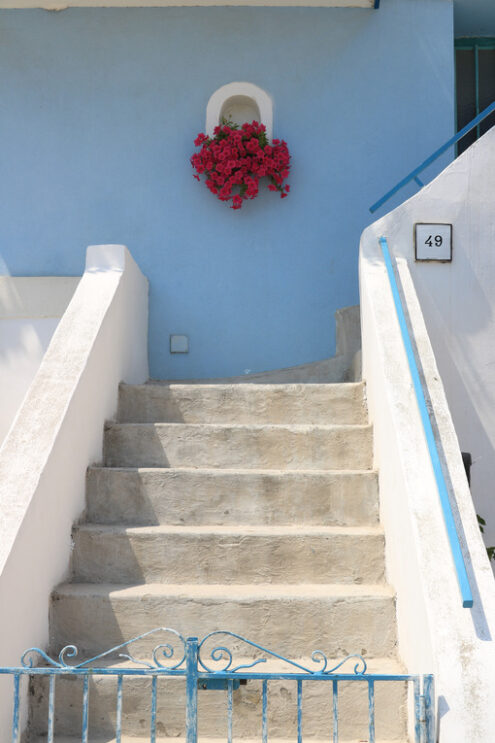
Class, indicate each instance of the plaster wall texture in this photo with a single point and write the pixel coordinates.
(100, 340)
(100, 109)
(30, 309)
(436, 634)
(457, 300)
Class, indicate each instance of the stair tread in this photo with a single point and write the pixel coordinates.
(243, 445)
(299, 427)
(241, 530)
(245, 403)
(226, 471)
(248, 386)
(232, 591)
(201, 739)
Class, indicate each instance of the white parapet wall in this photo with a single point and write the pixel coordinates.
(30, 310)
(100, 341)
(458, 301)
(436, 634)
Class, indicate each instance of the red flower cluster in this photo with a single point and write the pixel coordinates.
(236, 158)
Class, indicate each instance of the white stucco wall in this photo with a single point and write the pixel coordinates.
(30, 309)
(436, 634)
(100, 340)
(458, 302)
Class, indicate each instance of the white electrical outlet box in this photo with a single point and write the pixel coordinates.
(179, 344)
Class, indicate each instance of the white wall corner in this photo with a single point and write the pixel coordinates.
(106, 258)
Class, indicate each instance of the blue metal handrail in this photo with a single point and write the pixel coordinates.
(414, 174)
(450, 525)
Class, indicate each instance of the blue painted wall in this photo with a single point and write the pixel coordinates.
(99, 108)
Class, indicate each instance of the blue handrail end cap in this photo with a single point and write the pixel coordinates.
(467, 603)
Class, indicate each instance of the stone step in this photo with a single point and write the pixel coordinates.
(293, 619)
(230, 446)
(390, 707)
(208, 496)
(242, 403)
(249, 554)
(33, 738)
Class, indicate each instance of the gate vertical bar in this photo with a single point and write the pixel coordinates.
(192, 690)
(335, 704)
(85, 714)
(264, 713)
(299, 711)
(371, 704)
(230, 704)
(154, 682)
(15, 719)
(51, 709)
(429, 696)
(118, 726)
(417, 711)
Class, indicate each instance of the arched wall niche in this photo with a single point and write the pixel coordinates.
(240, 102)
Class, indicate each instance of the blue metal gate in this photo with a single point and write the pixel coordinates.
(204, 665)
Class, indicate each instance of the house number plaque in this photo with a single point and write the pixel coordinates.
(433, 242)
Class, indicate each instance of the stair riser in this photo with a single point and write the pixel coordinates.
(100, 557)
(390, 702)
(269, 447)
(242, 404)
(182, 497)
(292, 625)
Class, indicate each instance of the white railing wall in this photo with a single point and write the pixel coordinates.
(435, 631)
(100, 341)
(30, 310)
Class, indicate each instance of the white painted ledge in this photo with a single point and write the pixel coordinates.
(64, 4)
(100, 341)
(436, 635)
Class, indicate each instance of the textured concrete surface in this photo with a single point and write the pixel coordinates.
(290, 618)
(243, 403)
(227, 446)
(215, 554)
(235, 496)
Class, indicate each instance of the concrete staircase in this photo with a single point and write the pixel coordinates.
(247, 507)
